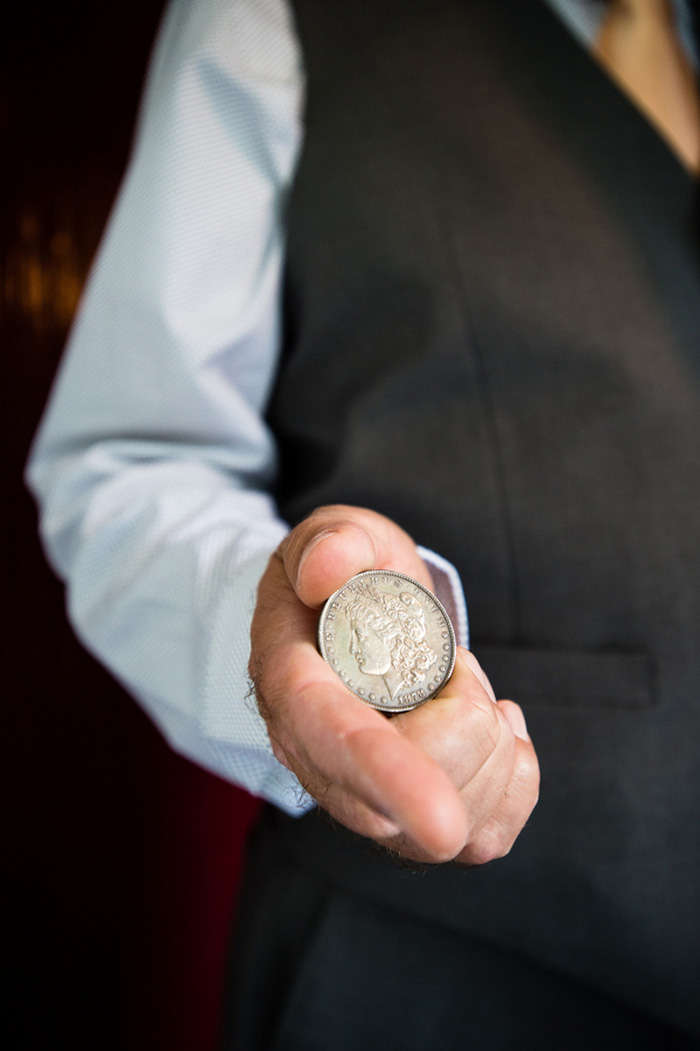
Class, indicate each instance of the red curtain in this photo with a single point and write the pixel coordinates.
(123, 858)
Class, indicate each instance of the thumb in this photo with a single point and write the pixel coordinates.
(334, 543)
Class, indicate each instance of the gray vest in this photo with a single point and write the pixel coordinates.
(493, 337)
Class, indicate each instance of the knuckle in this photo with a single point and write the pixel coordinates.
(486, 731)
(321, 519)
(527, 776)
(493, 842)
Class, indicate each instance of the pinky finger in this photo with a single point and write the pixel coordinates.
(496, 837)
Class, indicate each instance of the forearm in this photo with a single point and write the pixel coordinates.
(162, 561)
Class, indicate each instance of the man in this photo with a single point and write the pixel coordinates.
(489, 337)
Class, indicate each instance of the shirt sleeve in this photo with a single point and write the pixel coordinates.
(153, 463)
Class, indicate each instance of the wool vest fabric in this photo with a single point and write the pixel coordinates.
(493, 337)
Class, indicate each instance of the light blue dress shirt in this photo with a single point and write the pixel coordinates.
(153, 463)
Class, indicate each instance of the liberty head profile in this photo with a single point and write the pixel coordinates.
(387, 637)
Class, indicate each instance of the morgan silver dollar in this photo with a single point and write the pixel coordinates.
(388, 639)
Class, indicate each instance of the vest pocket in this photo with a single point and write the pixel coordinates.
(570, 678)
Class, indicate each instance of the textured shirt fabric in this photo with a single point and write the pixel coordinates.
(153, 464)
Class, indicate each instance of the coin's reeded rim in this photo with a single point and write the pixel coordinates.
(389, 709)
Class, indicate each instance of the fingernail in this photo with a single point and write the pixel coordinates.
(516, 720)
(309, 548)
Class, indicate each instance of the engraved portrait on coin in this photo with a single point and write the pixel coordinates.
(389, 640)
(387, 637)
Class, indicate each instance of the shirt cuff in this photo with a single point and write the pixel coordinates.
(448, 589)
(235, 733)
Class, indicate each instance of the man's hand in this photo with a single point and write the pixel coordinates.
(456, 778)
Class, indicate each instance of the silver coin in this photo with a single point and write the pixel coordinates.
(388, 639)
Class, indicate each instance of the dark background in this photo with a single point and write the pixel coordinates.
(123, 858)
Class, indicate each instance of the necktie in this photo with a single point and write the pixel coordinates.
(638, 46)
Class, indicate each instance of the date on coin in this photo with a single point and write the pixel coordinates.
(388, 639)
